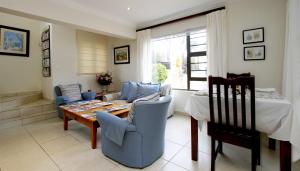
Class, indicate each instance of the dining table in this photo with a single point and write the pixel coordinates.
(273, 117)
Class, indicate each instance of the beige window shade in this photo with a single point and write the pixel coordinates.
(92, 52)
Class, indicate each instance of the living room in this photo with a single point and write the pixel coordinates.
(144, 45)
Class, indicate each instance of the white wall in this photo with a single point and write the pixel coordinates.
(242, 14)
(122, 72)
(270, 14)
(64, 62)
(18, 74)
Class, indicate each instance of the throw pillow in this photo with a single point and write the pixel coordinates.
(72, 91)
(152, 98)
(144, 90)
(132, 92)
(124, 91)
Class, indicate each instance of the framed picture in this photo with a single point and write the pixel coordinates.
(46, 62)
(46, 35)
(46, 44)
(254, 53)
(253, 35)
(14, 41)
(46, 72)
(122, 55)
(46, 53)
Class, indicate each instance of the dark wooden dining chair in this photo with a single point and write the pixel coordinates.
(232, 127)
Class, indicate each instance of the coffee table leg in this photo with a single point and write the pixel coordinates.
(94, 137)
(66, 119)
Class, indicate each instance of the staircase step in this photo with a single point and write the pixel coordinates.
(28, 113)
(14, 100)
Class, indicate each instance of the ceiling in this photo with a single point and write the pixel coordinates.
(141, 13)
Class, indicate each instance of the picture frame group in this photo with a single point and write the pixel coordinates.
(46, 56)
(252, 36)
(14, 41)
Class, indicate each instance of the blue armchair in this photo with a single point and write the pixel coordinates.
(142, 141)
(63, 100)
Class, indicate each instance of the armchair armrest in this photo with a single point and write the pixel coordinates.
(88, 95)
(113, 127)
(111, 96)
(61, 100)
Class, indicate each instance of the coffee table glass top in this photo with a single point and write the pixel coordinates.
(88, 109)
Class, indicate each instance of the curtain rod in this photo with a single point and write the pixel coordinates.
(183, 18)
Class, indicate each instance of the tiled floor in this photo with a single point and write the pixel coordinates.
(46, 146)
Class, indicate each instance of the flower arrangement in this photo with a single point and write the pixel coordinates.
(104, 78)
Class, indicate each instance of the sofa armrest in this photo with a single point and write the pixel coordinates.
(111, 96)
(88, 95)
(61, 100)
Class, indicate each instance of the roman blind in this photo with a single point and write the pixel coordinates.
(92, 52)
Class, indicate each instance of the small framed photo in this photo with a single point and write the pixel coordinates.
(253, 35)
(254, 53)
(46, 62)
(46, 53)
(46, 44)
(14, 41)
(46, 35)
(46, 72)
(122, 55)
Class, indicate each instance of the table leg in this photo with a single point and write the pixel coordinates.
(285, 156)
(94, 136)
(272, 144)
(66, 119)
(194, 138)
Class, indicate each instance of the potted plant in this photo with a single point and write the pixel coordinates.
(104, 79)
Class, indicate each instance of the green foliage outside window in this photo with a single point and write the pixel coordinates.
(160, 73)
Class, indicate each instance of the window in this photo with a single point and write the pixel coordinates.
(181, 60)
(92, 53)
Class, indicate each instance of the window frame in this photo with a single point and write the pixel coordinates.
(189, 56)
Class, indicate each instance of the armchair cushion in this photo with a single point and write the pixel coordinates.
(72, 91)
(125, 91)
(152, 98)
(114, 128)
(88, 95)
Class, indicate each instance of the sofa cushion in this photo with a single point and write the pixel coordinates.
(125, 91)
(133, 87)
(152, 98)
(165, 90)
(72, 91)
(146, 90)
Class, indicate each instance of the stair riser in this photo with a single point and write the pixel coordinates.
(10, 103)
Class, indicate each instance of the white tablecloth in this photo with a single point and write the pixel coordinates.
(273, 114)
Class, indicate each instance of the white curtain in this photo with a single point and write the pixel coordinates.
(217, 43)
(144, 60)
(291, 70)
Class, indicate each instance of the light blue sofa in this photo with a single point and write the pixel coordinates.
(63, 100)
(142, 140)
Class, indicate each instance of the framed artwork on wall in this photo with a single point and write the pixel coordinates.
(253, 35)
(122, 55)
(254, 53)
(45, 45)
(14, 41)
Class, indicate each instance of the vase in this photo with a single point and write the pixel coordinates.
(104, 88)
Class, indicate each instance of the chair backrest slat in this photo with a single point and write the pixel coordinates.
(234, 105)
(245, 83)
(243, 105)
(219, 104)
(226, 104)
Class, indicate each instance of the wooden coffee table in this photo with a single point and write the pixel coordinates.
(70, 112)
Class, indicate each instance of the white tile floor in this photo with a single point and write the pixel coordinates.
(46, 146)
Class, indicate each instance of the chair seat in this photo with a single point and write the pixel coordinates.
(229, 134)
